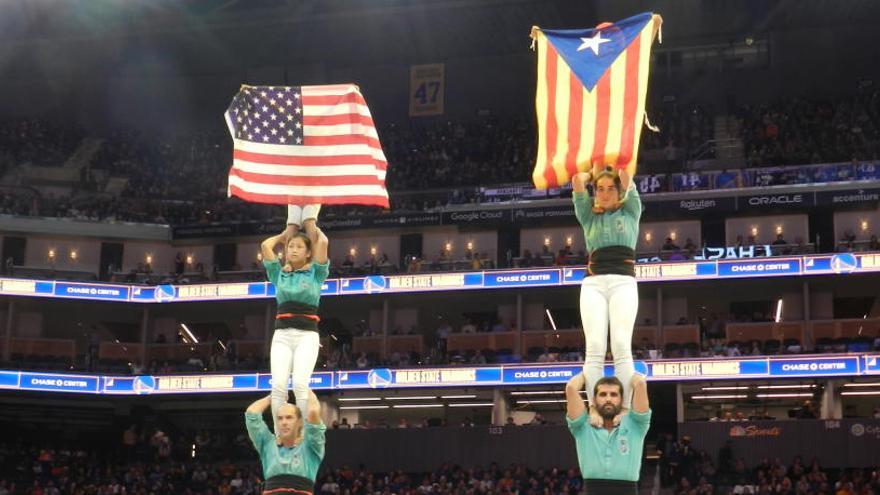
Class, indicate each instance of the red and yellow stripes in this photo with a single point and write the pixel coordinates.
(577, 127)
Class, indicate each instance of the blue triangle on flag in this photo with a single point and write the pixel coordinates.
(590, 52)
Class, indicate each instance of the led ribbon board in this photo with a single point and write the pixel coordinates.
(751, 368)
(831, 264)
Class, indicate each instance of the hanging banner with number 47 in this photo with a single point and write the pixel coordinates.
(426, 89)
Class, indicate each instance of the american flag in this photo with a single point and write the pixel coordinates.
(590, 99)
(305, 144)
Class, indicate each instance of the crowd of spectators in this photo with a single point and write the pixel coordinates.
(16, 204)
(154, 464)
(686, 470)
(341, 355)
(36, 142)
(493, 151)
(683, 130)
(151, 461)
(182, 179)
(850, 242)
(148, 461)
(801, 130)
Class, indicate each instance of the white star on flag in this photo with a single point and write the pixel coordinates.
(593, 43)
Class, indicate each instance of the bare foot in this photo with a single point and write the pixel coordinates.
(595, 419)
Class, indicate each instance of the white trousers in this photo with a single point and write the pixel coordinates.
(293, 355)
(609, 300)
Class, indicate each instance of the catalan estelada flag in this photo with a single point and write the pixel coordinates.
(591, 96)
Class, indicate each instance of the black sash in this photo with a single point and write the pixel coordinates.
(611, 487)
(288, 483)
(613, 260)
(294, 314)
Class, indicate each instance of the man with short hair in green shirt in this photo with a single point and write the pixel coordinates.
(291, 459)
(609, 457)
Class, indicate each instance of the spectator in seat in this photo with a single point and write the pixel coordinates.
(468, 327)
(780, 240)
(478, 357)
(807, 411)
(677, 255)
(362, 361)
(756, 349)
(733, 351)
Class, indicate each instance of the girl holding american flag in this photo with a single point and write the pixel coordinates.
(297, 278)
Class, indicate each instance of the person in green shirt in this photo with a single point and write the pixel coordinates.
(609, 295)
(610, 456)
(292, 456)
(298, 279)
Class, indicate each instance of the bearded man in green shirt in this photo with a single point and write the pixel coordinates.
(610, 457)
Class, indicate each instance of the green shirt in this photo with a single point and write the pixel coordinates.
(615, 228)
(614, 455)
(301, 460)
(302, 286)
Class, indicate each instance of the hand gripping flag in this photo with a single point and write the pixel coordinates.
(305, 144)
(591, 96)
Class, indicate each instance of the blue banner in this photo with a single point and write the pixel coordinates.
(59, 382)
(330, 287)
(771, 367)
(838, 264)
(872, 365)
(573, 275)
(843, 366)
(766, 267)
(677, 271)
(540, 374)
(92, 291)
(120, 384)
(714, 369)
(322, 380)
(9, 379)
(521, 278)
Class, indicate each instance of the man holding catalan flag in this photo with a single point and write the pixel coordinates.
(590, 104)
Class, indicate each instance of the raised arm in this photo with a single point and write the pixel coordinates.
(574, 402)
(256, 427)
(313, 429)
(625, 179)
(640, 402)
(319, 240)
(260, 405)
(313, 415)
(632, 202)
(267, 248)
(583, 207)
(579, 181)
